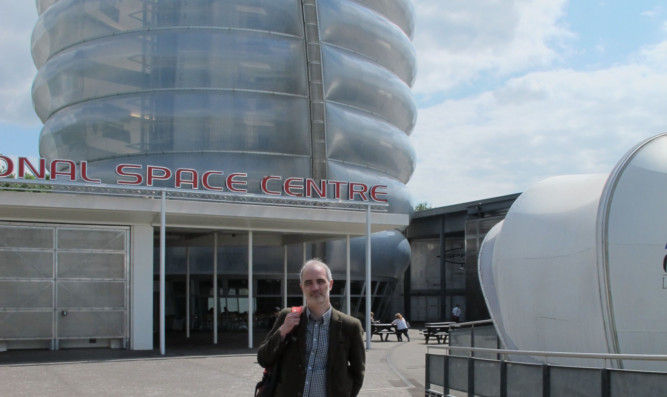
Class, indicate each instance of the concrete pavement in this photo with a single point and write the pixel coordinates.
(393, 369)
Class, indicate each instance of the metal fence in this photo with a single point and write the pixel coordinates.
(459, 370)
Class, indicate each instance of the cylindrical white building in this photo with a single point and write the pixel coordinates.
(301, 88)
(578, 263)
(305, 89)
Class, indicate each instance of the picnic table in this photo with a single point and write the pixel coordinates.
(382, 329)
(439, 331)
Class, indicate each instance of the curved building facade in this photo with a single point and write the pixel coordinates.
(312, 89)
(579, 264)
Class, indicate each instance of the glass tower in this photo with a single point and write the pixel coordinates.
(297, 88)
(301, 88)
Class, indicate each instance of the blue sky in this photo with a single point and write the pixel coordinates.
(509, 92)
(617, 30)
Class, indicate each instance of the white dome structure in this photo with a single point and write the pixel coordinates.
(578, 265)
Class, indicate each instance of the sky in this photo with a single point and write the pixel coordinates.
(509, 92)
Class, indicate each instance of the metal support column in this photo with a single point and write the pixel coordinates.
(605, 386)
(187, 292)
(251, 306)
(471, 376)
(368, 277)
(546, 381)
(284, 276)
(503, 378)
(444, 308)
(348, 295)
(303, 297)
(163, 202)
(215, 288)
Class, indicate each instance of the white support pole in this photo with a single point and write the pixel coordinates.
(215, 288)
(368, 277)
(284, 275)
(251, 306)
(348, 296)
(303, 297)
(187, 292)
(163, 202)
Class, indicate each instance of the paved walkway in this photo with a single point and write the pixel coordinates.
(392, 369)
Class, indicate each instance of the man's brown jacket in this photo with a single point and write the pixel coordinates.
(346, 357)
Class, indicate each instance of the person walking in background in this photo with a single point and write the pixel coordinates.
(456, 313)
(373, 320)
(320, 350)
(401, 327)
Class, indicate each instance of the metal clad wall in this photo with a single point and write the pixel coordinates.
(63, 284)
(26, 282)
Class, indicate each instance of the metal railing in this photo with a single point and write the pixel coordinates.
(484, 371)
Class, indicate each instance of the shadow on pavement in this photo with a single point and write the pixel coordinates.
(176, 345)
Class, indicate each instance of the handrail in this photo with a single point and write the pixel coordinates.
(455, 368)
(472, 323)
(608, 356)
(435, 324)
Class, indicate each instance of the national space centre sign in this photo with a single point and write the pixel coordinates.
(188, 178)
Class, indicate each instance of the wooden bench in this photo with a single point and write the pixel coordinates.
(439, 331)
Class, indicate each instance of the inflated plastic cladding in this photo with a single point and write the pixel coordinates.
(298, 88)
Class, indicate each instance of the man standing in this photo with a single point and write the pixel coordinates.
(456, 313)
(320, 350)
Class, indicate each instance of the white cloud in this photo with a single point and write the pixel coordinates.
(533, 122)
(17, 69)
(457, 40)
(536, 126)
(653, 12)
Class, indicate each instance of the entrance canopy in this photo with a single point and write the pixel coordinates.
(266, 220)
(113, 205)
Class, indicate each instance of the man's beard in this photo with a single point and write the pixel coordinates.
(319, 298)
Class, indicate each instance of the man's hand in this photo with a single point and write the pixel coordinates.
(291, 320)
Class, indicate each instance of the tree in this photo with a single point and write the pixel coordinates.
(23, 186)
(423, 206)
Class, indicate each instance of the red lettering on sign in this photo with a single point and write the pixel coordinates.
(311, 186)
(84, 173)
(39, 174)
(375, 193)
(357, 188)
(69, 170)
(181, 180)
(121, 169)
(131, 174)
(265, 185)
(154, 172)
(9, 166)
(205, 182)
(292, 185)
(232, 180)
(337, 188)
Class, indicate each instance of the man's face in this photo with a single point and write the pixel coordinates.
(315, 285)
